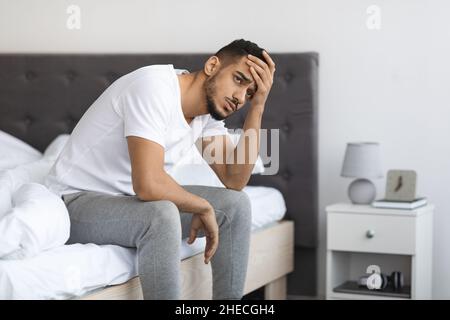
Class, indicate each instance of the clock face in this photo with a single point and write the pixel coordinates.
(401, 185)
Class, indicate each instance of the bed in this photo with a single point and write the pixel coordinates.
(80, 270)
(42, 96)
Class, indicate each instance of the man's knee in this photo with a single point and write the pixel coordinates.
(242, 201)
(164, 214)
(236, 204)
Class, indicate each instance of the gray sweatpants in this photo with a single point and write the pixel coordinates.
(156, 228)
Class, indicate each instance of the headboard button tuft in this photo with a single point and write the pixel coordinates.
(27, 121)
(71, 75)
(288, 77)
(286, 175)
(30, 75)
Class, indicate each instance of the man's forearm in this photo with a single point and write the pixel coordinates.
(164, 187)
(238, 174)
(239, 168)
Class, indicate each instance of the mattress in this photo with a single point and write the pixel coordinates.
(73, 270)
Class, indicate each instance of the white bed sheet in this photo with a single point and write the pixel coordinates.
(73, 270)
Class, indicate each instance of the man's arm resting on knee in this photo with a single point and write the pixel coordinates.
(151, 182)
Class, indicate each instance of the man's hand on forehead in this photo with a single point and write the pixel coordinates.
(262, 73)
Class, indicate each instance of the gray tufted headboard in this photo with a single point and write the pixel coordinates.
(43, 95)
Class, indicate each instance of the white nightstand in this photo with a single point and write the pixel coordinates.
(395, 240)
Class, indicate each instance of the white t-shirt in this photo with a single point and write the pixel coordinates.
(144, 103)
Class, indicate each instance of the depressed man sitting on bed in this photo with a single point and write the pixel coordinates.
(112, 173)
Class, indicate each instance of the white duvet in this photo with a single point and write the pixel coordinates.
(66, 271)
(32, 218)
(37, 221)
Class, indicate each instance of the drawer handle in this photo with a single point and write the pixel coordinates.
(370, 234)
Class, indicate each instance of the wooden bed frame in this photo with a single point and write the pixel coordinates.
(44, 95)
(271, 259)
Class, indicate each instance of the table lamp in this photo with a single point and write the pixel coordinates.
(363, 162)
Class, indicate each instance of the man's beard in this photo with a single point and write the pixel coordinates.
(210, 90)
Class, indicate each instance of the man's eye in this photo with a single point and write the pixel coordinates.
(239, 80)
(249, 94)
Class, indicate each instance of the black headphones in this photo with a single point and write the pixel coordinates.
(395, 281)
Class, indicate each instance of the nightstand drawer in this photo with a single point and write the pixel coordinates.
(371, 233)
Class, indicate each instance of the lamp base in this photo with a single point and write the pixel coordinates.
(362, 191)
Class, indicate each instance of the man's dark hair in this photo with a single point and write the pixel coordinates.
(238, 49)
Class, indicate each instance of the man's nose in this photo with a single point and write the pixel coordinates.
(239, 98)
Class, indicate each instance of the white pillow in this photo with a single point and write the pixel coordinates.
(32, 218)
(196, 172)
(14, 152)
(192, 169)
(13, 179)
(38, 221)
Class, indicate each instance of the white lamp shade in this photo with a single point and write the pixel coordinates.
(362, 160)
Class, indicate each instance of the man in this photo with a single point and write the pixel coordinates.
(112, 174)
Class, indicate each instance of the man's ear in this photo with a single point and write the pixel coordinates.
(212, 65)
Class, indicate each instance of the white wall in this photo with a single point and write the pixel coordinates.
(389, 85)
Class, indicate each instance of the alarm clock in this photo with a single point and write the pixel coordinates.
(401, 185)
